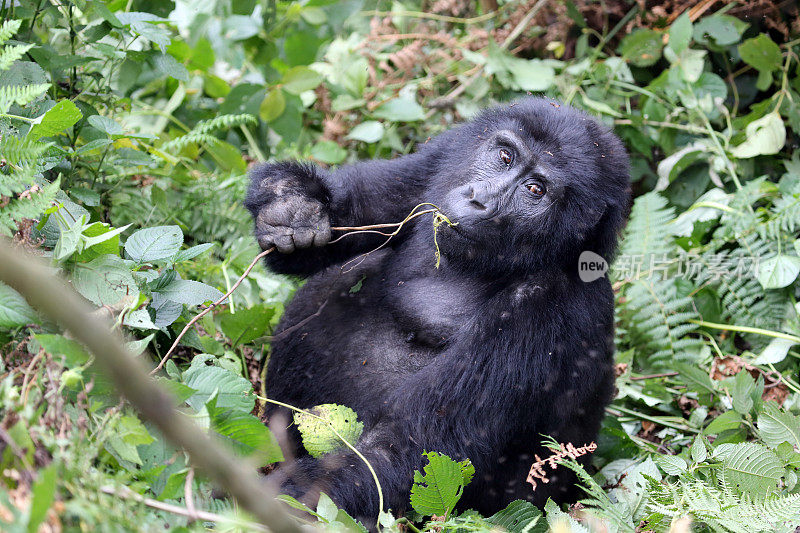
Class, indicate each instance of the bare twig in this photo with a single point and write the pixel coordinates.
(205, 311)
(127, 494)
(58, 302)
(188, 497)
(352, 230)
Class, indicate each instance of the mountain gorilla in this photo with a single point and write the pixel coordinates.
(478, 358)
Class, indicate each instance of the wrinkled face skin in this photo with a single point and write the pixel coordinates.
(539, 186)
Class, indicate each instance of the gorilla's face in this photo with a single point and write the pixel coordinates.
(537, 185)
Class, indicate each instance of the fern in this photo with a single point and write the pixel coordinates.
(651, 311)
(201, 133)
(20, 195)
(599, 501)
(719, 509)
(20, 94)
(8, 28)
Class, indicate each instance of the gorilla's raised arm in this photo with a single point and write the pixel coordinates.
(294, 206)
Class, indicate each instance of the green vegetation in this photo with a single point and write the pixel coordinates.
(126, 130)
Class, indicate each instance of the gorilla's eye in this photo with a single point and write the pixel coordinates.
(537, 189)
(506, 156)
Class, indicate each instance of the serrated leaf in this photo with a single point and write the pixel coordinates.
(328, 152)
(105, 280)
(232, 391)
(246, 434)
(318, 438)
(194, 251)
(169, 66)
(752, 469)
(127, 433)
(154, 244)
(188, 292)
(642, 47)
(58, 118)
(672, 465)
(246, 325)
(517, 517)
(438, 489)
(106, 125)
(14, 310)
(776, 426)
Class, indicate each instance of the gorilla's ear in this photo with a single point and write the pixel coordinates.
(603, 238)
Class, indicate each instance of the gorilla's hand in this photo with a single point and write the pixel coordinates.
(288, 213)
(292, 221)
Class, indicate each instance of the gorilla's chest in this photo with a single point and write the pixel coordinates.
(430, 310)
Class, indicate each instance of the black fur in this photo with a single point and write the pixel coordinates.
(476, 359)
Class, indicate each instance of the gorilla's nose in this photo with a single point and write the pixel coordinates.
(478, 199)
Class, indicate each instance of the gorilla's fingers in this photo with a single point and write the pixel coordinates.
(322, 235)
(284, 243)
(303, 237)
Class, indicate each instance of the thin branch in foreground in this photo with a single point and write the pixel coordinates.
(55, 300)
(125, 493)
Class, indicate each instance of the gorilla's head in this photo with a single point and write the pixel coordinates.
(530, 185)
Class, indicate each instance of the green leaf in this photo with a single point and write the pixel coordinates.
(369, 132)
(765, 136)
(743, 386)
(761, 53)
(125, 435)
(779, 271)
(272, 106)
(246, 433)
(232, 391)
(519, 516)
(775, 352)
(167, 65)
(154, 244)
(106, 125)
(328, 152)
(58, 118)
(190, 292)
(699, 451)
(43, 493)
(318, 437)
(776, 426)
(402, 109)
(14, 310)
(246, 325)
(725, 421)
(751, 469)
(642, 47)
(194, 251)
(58, 345)
(672, 465)
(680, 33)
(105, 280)
(437, 491)
(301, 79)
(724, 30)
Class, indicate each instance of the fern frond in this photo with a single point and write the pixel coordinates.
(8, 29)
(598, 499)
(9, 54)
(223, 122)
(20, 152)
(176, 145)
(656, 319)
(20, 94)
(30, 206)
(645, 233)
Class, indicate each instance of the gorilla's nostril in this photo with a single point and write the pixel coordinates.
(477, 205)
